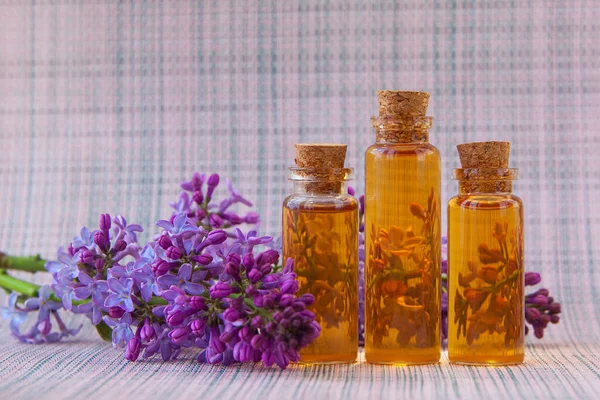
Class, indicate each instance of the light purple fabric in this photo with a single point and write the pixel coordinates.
(107, 106)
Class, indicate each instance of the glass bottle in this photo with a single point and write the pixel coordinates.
(402, 234)
(320, 232)
(485, 260)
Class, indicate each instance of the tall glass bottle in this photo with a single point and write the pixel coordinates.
(320, 232)
(485, 260)
(402, 234)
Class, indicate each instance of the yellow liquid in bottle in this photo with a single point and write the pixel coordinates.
(323, 241)
(486, 278)
(402, 254)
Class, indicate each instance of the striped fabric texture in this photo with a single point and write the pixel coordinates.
(107, 106)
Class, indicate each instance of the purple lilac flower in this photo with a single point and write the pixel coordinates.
(182, 280)
(15, 314)
(121, 333)
(120, 294)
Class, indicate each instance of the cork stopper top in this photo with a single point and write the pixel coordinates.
(484, 154)
(402, 103)
(319, 155)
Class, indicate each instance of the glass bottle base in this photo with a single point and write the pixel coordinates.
(488, 361)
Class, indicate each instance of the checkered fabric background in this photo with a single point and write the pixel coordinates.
(105, 106)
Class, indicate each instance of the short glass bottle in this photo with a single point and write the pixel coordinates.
(486, 273)
(320, 232)
(402, 241)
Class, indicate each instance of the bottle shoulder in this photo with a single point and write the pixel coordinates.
(485, 201)
(306, 202)
(378, 150)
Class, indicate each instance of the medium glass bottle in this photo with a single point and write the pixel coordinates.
(485, 260)
(402, 234)
(320, 232)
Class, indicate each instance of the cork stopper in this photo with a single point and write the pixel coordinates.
(325, 163)
(319, 156)
(485, 167)
(484, 154)
(402, 103)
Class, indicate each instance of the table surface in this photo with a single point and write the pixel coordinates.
(86, 366)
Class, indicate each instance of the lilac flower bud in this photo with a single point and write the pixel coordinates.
(268, 301)
(200, 214)
(161, 268)
(271, 327)
(251, 218)
(296, 323)
(286, 300)
(99, 264)
(298, 306)
(116, 312)
(266, 269)
(215, 221)
(532, 314)
(179, 335)
(532, 278)
(198, 303)
(246, 334)
(351, 191)
(226, 336)
(234, 258)
(540, 300)
(285, 323)
(176, 318)
(203, 259)
(254, 275)
(288, 312)
(278, 316)
(257, 322)
(198, 197)
(248, 261)
(220, 290)
(181, 299)
(104, 222)
(120, 245)
(212, 183)
(133, 349)
(197, 326)
(232, 315)
(45, 327)
(87, 257)
(215, 342)
(173, 253)
(251, 290)
(554, 308)
(71, 250)
(232, 269)
(269, 257)
(165, 242)
(101, 240)
(545, 318)
(233, 218)
(543, 292)
(217, 237)
(258, 341)
(147, 331)
(290, 287)
(554, 318)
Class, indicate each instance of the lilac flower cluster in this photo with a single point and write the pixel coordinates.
(540, 307)
(196, 204)
(194, 285)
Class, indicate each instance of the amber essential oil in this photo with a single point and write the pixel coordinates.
(402, 235)
(320, 232)
(485, 260)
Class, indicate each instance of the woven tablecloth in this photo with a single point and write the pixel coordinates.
(105, 106)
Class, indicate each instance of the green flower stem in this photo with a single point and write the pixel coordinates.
(31, 264)
(12, 284)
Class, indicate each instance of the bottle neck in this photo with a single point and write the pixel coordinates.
(491, 187)
(401, 136)
(320, 188)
